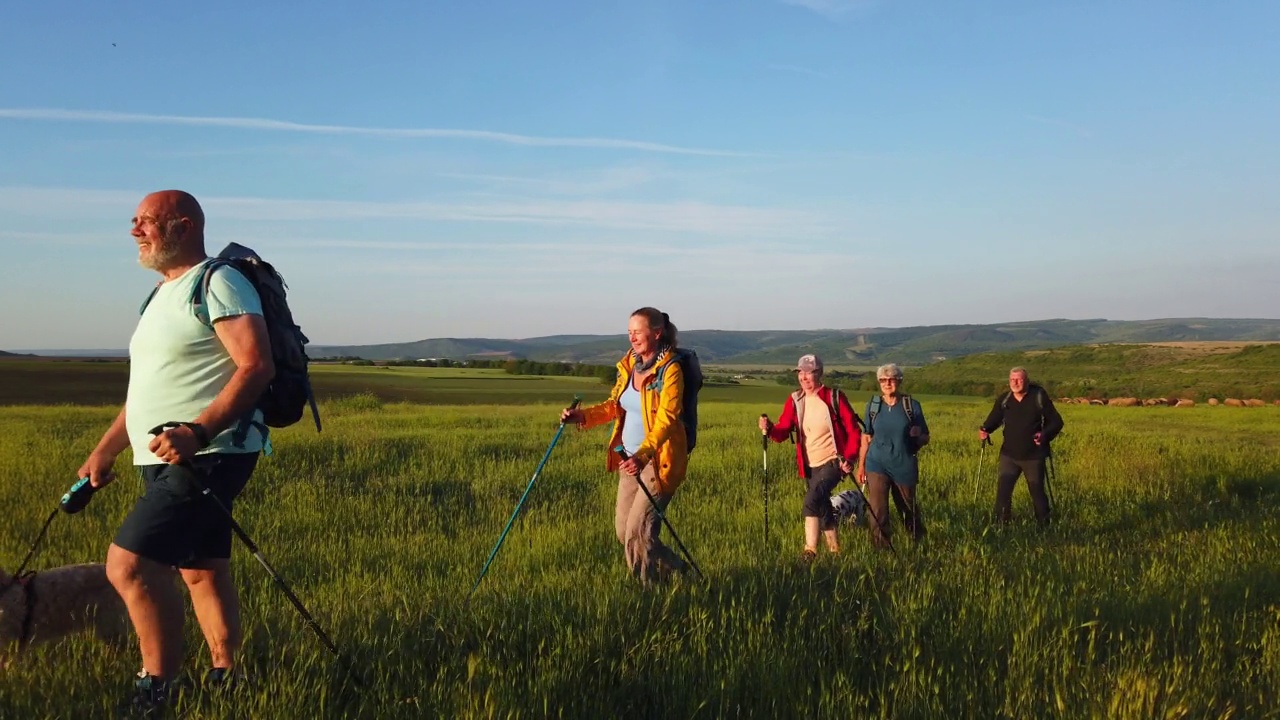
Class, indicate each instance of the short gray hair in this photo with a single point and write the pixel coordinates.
(890, 370)
(1020, 371)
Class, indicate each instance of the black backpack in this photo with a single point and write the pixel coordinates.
(692, 369)
(287, 397)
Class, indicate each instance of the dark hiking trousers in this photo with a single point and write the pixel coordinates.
(1034, 471)
(817, 499)
(879, 488)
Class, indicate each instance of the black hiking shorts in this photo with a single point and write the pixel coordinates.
(173, 523)
(821, 482)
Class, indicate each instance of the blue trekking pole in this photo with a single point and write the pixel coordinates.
(576, 399)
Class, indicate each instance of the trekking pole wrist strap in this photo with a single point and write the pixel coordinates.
(202, 435)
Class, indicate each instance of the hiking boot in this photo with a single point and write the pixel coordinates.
(808, 555)
(220, 680)
(152, 697)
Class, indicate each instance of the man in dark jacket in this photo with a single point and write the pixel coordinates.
(1030, 422)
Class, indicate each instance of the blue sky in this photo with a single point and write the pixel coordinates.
(513, 169)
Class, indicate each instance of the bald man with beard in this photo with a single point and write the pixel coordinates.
(205, 365)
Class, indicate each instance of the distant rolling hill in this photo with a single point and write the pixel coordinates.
(865, 346)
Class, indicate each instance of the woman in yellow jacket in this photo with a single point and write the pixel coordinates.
(645, 408)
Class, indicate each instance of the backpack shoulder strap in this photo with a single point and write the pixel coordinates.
(143, 308)
(660, 374)
(906, 405)
(201, 289)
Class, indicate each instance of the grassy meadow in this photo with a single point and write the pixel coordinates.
(1156, 594)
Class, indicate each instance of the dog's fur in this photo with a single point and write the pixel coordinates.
(849, 506)
(68, 600)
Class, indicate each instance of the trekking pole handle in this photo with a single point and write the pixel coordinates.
(166, 426)
(577, 400)
(77, 497)
(764, 434)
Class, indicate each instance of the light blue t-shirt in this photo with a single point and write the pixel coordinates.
(890, 450)
(177, 365)
(632, 419)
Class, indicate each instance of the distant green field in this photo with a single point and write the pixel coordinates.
(1155, 595)
(1197, 371)
(104, 383)
(58, 382)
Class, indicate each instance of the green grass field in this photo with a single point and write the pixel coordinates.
(1156, 595)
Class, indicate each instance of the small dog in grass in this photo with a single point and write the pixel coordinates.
(849, 506)
(44, 606)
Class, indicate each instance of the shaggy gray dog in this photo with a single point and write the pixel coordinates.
(51, 604)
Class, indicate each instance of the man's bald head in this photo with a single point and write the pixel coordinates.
(175, 205)
(169, 229)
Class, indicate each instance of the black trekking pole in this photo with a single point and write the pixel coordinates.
(253, 548)
(502, 538)
(622, 452)
(977, 472)
(1050, 478)
(764, 478)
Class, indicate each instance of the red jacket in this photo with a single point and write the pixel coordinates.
(844, 425)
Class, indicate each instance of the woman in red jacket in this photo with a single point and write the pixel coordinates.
(827, 445)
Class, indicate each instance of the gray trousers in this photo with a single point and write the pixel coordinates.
(637, 525)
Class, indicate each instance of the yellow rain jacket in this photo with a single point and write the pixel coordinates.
(661, 403)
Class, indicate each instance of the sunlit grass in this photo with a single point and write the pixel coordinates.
(1155, 595)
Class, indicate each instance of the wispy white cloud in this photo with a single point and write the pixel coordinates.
(49, 238)
(832, 8)
(104, 116)
(595, 183)
(680, 217)
(703, 267)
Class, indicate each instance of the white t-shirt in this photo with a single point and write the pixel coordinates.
(177, 365)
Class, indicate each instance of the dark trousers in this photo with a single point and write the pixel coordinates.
(817, 498)
(1034, 471)
(879, 488)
